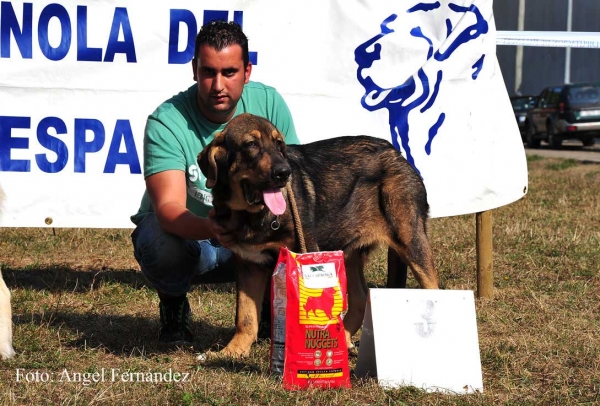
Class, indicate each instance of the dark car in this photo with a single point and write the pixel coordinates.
(565, 112)
(521, 105)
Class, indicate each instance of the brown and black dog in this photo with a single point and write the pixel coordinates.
(352, 194)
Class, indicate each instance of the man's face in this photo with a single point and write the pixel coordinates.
(221, 76)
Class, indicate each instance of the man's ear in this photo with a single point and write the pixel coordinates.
(213, 157)
(247, 72)
(195, 68)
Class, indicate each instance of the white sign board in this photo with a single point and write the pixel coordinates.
(422, 338)
(78, 79)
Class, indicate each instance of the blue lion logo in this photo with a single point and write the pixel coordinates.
(419, 91)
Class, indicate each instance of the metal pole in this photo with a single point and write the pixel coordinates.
(519, 55)
(568, 49)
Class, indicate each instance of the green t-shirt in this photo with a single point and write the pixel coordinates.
(176, 133)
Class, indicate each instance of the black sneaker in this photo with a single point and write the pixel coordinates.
(175, 321)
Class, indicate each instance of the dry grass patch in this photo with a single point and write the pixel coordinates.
(82, 307)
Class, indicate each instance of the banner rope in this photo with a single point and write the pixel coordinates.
(562, 39)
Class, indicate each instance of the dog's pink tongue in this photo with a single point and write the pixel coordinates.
(274, 201)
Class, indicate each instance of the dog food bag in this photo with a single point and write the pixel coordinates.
(308, 299)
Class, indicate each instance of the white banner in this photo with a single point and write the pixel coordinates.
(79, 78)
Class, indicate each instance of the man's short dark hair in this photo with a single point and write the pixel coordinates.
(220, 34)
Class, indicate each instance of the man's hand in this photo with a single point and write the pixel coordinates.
(225, 237)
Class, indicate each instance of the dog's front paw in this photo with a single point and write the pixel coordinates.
(205, 356)
(235, 351)
(229, 352)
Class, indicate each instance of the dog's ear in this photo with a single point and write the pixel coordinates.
(283, 148)
(213, 157)
(279, 141)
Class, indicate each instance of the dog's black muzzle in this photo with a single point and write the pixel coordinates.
(280, 173)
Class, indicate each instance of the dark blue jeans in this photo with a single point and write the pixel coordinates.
(172, 264)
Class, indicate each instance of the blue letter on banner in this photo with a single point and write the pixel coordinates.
(177, 17)
(83, 52)
(7, 143)
(58, 11)
(9, 23)
(82, 147)
(127, 47)
(53, 144)
(130, 156)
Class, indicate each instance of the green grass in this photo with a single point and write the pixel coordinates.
(562, 164)
(82, 306)
(534, 158)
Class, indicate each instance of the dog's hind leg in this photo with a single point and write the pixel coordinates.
(405, 214)
(6, 348)
(416, 252)
(397, 270)
(405, 210)
(357, 294)
(252, 281)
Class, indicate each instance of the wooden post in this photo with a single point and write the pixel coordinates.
(485, 269)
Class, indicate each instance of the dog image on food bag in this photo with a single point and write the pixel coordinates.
(350, 193)
(324, 303)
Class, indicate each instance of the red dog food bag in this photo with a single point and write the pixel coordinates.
(308, 299)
